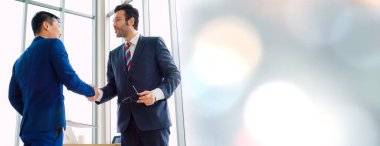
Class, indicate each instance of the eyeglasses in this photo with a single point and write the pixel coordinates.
(130, 99)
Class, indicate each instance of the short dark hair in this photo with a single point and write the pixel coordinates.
(39, 18)
(129, 13)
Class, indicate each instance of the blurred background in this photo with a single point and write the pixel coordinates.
(280, 72)
(254, 72)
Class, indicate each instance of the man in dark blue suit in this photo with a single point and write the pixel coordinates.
(143, 75)
(35, 89)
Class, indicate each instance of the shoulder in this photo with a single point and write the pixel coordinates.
(53, 44)
(151, 38)
(56, 42)
(51, 41)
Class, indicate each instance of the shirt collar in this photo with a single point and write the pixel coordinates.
(135, 39)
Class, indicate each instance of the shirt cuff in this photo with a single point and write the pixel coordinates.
(100, 95)
(158, 94)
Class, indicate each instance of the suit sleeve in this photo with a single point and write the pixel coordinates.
(109, 91)
(15, 95)
(168, 69)
(66, 73)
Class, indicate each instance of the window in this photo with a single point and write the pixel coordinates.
(160, 26)
(50, 2)
(77, 35)
(9, 52)
(113, 4)
(159, 20)
(82, 6)
(78, 42)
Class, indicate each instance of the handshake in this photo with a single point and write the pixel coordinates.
(96, 96)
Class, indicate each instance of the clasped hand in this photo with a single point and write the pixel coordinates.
(96, 96)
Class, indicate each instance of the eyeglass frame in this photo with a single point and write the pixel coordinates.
(132, 98)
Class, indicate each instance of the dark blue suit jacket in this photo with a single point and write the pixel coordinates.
(152, 66)
(35, 89)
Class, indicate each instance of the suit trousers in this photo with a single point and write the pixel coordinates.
(49, 138)
(132, 136)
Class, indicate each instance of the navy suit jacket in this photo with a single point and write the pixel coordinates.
(35, 89)
(152, 66)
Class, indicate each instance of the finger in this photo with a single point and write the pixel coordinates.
(143, 93)
(140, 101)
(92, 99)
(143, 97)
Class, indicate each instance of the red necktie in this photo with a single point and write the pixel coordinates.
(128, 56)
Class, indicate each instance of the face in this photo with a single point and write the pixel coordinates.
(54, 29)
(121, 26)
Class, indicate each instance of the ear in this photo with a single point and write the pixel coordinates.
(45, 25)
(131, 21)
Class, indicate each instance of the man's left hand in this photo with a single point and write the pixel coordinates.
(146, 97)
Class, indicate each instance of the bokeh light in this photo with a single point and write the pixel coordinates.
(281, 114)
(227, 50)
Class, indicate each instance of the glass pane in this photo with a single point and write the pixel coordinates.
(113, 4)
(10, 50)
(160, 26)
(82, 6)
(50, 2)
(115, 42)
(78, 42)
(159, 20)
(138, 4)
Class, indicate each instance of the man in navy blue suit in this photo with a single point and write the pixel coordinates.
(142, 73)
(38, 76)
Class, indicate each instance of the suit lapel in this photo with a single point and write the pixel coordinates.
(122, 58)
(137, 54)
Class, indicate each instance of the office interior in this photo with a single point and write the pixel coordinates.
(254, 72)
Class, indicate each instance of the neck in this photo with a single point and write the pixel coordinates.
(43, 34)
(130, 36)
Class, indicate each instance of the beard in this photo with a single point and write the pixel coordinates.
(121, 32)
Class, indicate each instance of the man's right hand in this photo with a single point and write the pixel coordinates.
(96, 96)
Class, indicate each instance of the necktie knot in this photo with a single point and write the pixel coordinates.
(128, 44)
